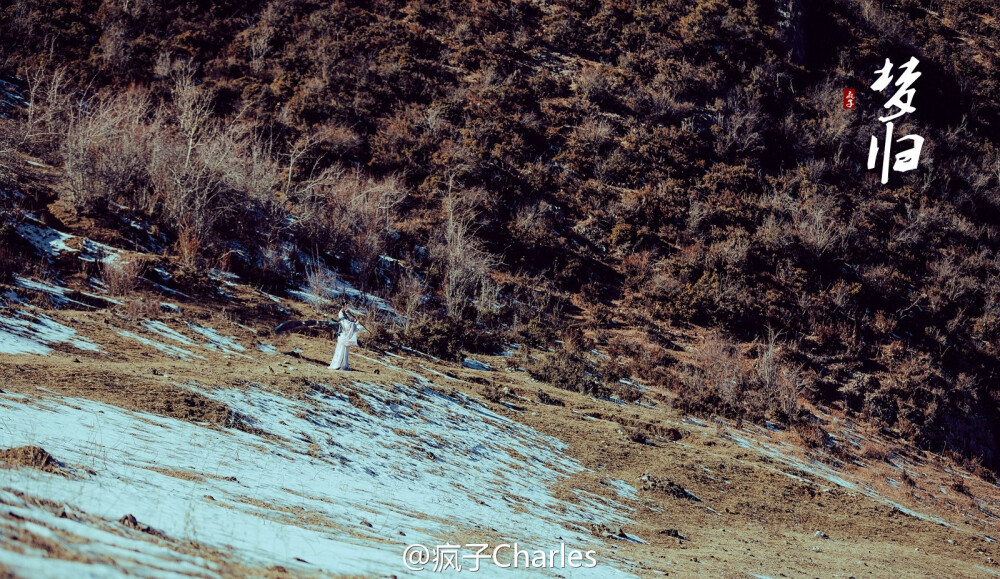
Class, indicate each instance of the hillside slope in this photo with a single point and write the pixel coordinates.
(178, 440)
(627, 282)
(663, 166)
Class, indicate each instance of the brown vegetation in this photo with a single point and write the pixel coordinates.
(30, 456)
(681, 165)
(121, 277)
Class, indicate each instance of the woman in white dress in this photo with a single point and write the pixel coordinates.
(347, 337)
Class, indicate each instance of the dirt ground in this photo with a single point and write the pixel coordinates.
(714, 499)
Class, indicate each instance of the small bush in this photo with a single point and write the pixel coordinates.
(566, 369)
(122, 277)
(638, 434)
(493, 393)
(672, 434)
(612, 371)
(536, 333)
(193, 280)
(812, 435)
(876, 453)
(907, 479)
(9, 263)
(549, 400)
(12, 248)
(378, 329)
(958, 485)
(137, 309)
(717, 380)
(477, 339)
(625, 393)
(188, 247)
(432, 336)
(650, 360)
(985, 474)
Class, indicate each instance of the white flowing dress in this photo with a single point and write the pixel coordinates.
(347, 337)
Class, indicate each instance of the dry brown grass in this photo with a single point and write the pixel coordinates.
(360, 403)
(126, 386)
(139, 308)
(122, 277)
(493, 393)
(188, 247)
(179, 474)
(31, 457)
(875, 452)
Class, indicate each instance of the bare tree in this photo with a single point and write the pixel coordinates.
(260, 46)
(410, 293)
(115, 43)
(191, 165)
(48, 102)
(373, 208)
(788, 388)
(815, 222)
(193, 111)
(350, 209)
(780, 383)
(738, 124)
(136, 8)
(104, 150)
(302, 146)
(767, 368)
(466, 265)
(7, 150)
(717, 369)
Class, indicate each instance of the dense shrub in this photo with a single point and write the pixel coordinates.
(13, 251)
(122, 277)
(687, 162)
(568, 369)
(433, 336)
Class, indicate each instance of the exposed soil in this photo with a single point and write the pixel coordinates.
(708, 501)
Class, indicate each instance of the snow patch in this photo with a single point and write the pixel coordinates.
(167, 349)
(57, 294)
(308, 297)
(440, 468)
(33, 334)
(158, 327)
(50, 242)
(819, 470)
(45, 240)
(216, 341)
(12, 297)
(474, 364)
(333, 287)
(622, 488)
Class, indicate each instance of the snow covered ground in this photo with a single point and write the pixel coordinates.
(332, 483)
(48, 241)
(27, 333)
